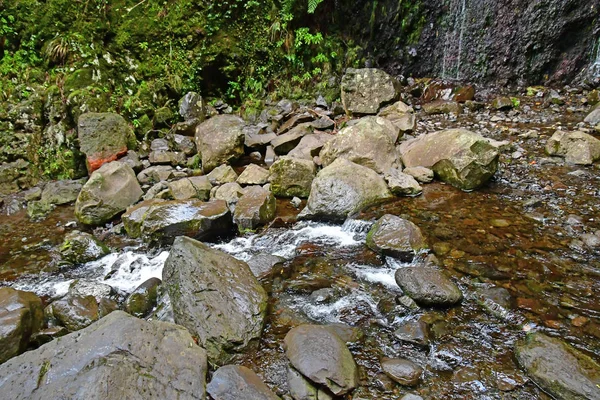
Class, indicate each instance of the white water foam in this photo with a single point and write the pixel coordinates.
(340, 310)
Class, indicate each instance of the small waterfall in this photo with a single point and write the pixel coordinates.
(595, 67)
(453, 43)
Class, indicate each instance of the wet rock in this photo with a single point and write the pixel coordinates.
(401, 115)
(222, 174)
(21, 316)
(103, 137)
(155, 174)
(396, 237)
(235, 382)
(310, 146)
(416, 332)
(62, 192)
(292, 177)
(428, 286)
(216, 297)
(191, 106)
(84, 287)
(108, 192)
(593, 118)
(262, 265)
(256, 207)
(300, 388)
(369, 142)
(143, 299)
(73, 312)
(402, 371)
(365, 91)
(502, 104)
(577, 147)
(442, 107)
(229, 192)
(322, 357)
(253, 175)
(344, 188)
(140, 359)
(283, 144)
(80, 247)
(220, 140)
(162, 221)
(558, 368)
(402, 184)
(462, 158)
(421, 174)
(349, 334)
(187, 188)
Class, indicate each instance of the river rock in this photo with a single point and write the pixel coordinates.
(62, 192)
(301, 388)
(216, 297)
(85, 287)
(558, 368)
(220, 140)
(577, 147)
(460, 157)
(370, 143)
(428, 286)
(396, 237)
(344, 188)
(21, 316)
(401, 115)
(593, 118)
(108, 192)
(80, 247)
(310, 146)
(402, 184)
(139, 359)
(286, 142)
(366, 90)
(143, 299)
(221, 175)
(235, 382)
(321, 356)
(292, 177)
(103, 137)
(262, 265)
(162, 221)
(421, 174)
(256, 207)
(402, 371)
(253, 175)
(442, 107)
(187, 188)
(229, 192)
(415, 332)
(73, 312)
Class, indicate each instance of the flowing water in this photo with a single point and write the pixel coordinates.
(453, 41)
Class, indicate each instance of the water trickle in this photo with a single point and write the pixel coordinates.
(453, 44)
(595, 67)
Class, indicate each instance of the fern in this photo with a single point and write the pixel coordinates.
(312, 5)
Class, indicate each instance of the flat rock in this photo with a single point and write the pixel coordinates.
(401, 115)
(221, 175)
(402, 371)
(253, 175)
(61, 192)
(310, 146)
(396, 237)
(428, 286)
(416, 332)
(402, 184)
(235, 382)
(187, 188)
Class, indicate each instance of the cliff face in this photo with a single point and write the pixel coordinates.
(508, 41)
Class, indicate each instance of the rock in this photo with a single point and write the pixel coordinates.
(369, 143)
(401, 115)
(61, 192)
(216, 297)
(442, 107)
(230, 192)
(421, 174)
(258, 140)
(253, 175)
(270, 156)
(162, 221)
(402, 184)
(462, 158)
(222, 174)
(310, 146)
(322, 357)
(291, 177)
(21, 316)
(593, 118)
(396, 237)
(300, 388)
(140, 359)
(428, 286)
(80, 247)
(416, 332)
(411, 396)
(220, 140)
(577, 147)
(365, 91)
(103, 137)
(262, 265)
(160, 144)
(195, 187)
(155, 174)
(296, 202)
(74, 312)
(162, 157)
(191, 106)
(344, 188)
(283, 144)
(84, 287)
(558, 368)
(108, 192)
(183, 144)
(235, 382)
(256, 207)
(133, 160)
(143, 299)
(402, 371)
(502, 103)
(295, 121)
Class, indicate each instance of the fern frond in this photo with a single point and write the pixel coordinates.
(312, 5)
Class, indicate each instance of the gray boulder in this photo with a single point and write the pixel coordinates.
(220, 140)
(366, 90)
(62, 192)
(80, 247)
(344, 188)
(577, 147)
(74, 312)
(156, 174)
(253, 175)
(396, 237)
(229, 192)
(302, 389)
(292, 177)
(108, 192)
(428, 286)
(558, 368)
(421, 174)
(191, 106)
(460, 157)
(119, 357)
(216, 297)
(256, 207)
(262, 265)
(235, 382)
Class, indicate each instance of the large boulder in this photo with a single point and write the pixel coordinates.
(103, 137)
(108, 192)
(577, 147)
(292, 177)
(220, 140)
(322, 357)
(144, 298)
(74, 312)
(235, 382)
(162, 221)
(81, 247)
(365, 90)
(344, 188)
(216, 297)
(428, 286)
(256, 207)
(396, 237)
(460, 157)
(21, 315)
(369, 142)
(118, 357)
(558, 368)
